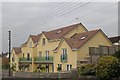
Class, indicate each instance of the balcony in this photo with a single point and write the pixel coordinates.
(43, 59)
(25, 59)
(64, 58)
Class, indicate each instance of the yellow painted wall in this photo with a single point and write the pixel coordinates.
(95, 41)
(16, 59)
(49, 46)
(34, 55)
(32, 50)
(71, 57)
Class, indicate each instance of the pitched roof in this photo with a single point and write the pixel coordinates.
(77, 40)
(54, 34)
(4, 54)
(35, 38)
(114, 39)
(17, 50)
(59, 33)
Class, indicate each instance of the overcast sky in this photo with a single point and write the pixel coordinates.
(25, 18)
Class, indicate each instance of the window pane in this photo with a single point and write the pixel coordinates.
(47, 55)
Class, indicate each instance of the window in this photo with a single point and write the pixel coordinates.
(64, 51)
(59, 67)
(59, 32)
(40, 54)
(43, 41)
(69, 67)
(28, 56)
(47, 55)
(64, 54)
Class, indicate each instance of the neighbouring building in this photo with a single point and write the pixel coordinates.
(4, 60)
(116, 41)
(97, 52)
(62, 49)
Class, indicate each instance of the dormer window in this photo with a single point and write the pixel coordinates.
(43, 41)
(82, 38)
(59, 32)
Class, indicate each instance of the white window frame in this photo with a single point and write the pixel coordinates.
(68, 67)
(47, 55)
(64, 51)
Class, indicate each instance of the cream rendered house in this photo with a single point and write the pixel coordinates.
(63, 48)
(14, 58)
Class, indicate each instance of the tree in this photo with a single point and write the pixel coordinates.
(107, 67)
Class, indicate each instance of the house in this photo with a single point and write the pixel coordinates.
(74, 51)
(116, 41)
(14, 58)
(4, 60)
(59, 49)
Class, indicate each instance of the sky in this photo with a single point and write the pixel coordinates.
(25, 18)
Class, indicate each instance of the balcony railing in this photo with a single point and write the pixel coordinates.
(43, 59)
(64, 58)
(25, 59)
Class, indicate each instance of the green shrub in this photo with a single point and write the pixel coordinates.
(117, 55)
(87, 69)
(41, 69)
(107, 67)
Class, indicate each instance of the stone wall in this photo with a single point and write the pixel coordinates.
(96, 52)
(70, 74)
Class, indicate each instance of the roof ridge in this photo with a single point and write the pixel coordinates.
(63, 27)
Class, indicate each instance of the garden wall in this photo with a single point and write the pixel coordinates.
(70, 74)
